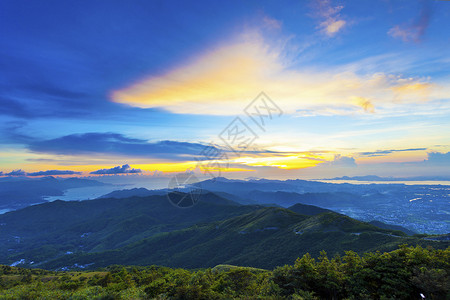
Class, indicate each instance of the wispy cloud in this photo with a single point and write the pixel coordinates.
(386, 152)
(271, 23)
(53, 172)
(331, 21)
(415, 29)
(21, 172)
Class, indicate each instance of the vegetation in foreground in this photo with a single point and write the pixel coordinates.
(401, 274)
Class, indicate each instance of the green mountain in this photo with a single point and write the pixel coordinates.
(392, 227)
(150, 230)
(263, 238)
(309, 210)
(40, 232)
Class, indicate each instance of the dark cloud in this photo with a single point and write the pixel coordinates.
(41, 159)
(53, 172)
(386, 152)
(14, 108)
(50, 60)
(114, 143)
(18, 172)
(125, 169)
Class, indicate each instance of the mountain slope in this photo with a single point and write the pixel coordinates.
(40, 232)
(392, 227)
(135, 192)
(308, 210)
(263, 238)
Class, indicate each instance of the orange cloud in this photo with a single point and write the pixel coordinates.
(223, 79)
(227, 74)
(418, 90)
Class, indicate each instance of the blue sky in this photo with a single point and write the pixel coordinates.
(87, 86)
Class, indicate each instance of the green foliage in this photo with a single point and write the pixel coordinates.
(401, 274)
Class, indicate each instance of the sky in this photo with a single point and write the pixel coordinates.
(307, 89)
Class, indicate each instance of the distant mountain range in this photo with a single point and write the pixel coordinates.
(149, 230)
(279, 199)
(378, 178)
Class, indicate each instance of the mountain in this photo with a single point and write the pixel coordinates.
(308, 210)
(263, 238)
(378, 178)
(287, 199)
(392, 227)
(150, 230)
(135, 192)
(40, 232)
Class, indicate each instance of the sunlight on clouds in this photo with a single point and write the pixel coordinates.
(224, 79)
(287, 162)
(220, 77)
(418, 90)
(365, 104)
(333, 27)
(332, 21)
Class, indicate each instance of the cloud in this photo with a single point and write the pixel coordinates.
(415, 30)
(331, 21)
(125, 169)
(53, 172)
(411, 88)
(220, 77)
(14, 108)
(365, 104)
(115, 143)
(343, 161)
(98, 147)
(438, 158)
(405, 34)
(218, 81)
(18, 172)
(386, 152)
(271, 23)
(157, 173)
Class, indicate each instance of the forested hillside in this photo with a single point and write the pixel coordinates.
(401, 274)
(149, 230)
